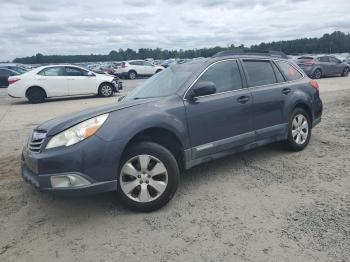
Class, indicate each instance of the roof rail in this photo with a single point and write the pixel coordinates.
(272, 53)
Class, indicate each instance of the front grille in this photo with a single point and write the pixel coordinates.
(36, 140)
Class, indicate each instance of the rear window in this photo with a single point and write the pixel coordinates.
(289, 71)
(259, 72)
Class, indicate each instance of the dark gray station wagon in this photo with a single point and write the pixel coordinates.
(188, 114)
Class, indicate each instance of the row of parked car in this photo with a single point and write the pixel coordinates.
(44, 82)
(325, 65)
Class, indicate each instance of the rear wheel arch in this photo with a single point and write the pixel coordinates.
(304, 106)
(31, 89)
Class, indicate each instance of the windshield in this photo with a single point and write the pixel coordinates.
(165, 83)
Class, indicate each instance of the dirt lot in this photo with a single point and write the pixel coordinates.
(262, 205)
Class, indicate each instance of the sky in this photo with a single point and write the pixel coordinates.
(68, 27)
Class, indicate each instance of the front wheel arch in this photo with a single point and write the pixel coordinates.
(105, 83)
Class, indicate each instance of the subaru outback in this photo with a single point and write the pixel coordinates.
(184, 116)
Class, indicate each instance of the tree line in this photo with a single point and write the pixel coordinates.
(336, 42)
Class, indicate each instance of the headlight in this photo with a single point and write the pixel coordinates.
(78, 132)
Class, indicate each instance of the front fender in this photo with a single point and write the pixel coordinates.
(166, 113)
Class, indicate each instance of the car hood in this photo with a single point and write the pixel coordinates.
(56, 125)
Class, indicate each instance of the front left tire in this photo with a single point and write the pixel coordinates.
(105, 90)
(148, 177)
(346, 71)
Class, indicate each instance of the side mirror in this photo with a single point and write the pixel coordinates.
(203, 88)
(90, 74)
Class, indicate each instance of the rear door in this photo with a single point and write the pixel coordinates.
(53, 81)
(223, 120)
(79, 82)
(138, 66)
(269, 96)
(326, 65)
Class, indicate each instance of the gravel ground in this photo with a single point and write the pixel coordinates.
(267, 204)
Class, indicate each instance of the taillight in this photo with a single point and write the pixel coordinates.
(13, 80)
(309, 62)
(314, 84)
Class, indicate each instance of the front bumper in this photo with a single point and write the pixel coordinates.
(93, 159)
(42, 182)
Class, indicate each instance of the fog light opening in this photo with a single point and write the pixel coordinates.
(68, 181)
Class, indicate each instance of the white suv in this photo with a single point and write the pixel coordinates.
(133, 68)
(60, 80)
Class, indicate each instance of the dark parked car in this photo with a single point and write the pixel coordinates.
(4, 75)
(186, 115)
(14, 67)
(317, 67)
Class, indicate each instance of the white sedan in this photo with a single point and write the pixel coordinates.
(60, 80)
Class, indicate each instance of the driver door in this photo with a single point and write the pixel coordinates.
(222, 120)
(79, 82)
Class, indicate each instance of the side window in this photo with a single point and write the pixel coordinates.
(145, 63)
(323, 59)
(74, 71)
(334, 60)
(289, 71)
(136, 63)
(225, 75)
(259, 72)
(51, 71)
(278, 74)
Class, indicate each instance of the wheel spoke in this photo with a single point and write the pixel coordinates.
(303, 135)
(158, 185)
(298, 138)
(144, 161)
(304, 125)
(129, 169)
(144, 194)
(295, 122)
(128, 187)
(158, 169)
(294, 133)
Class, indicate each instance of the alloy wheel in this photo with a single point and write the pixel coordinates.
(106, 90)
(143, 178)
(300, 129)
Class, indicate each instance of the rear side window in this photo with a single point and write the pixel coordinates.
(323, 59)
(259, 72)
(51, 71)
(225, 75)
(136, 63)
(289, 71)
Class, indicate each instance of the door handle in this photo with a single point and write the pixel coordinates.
(286, 91)
(243, 99)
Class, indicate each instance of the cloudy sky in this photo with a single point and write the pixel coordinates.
(28, 27)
